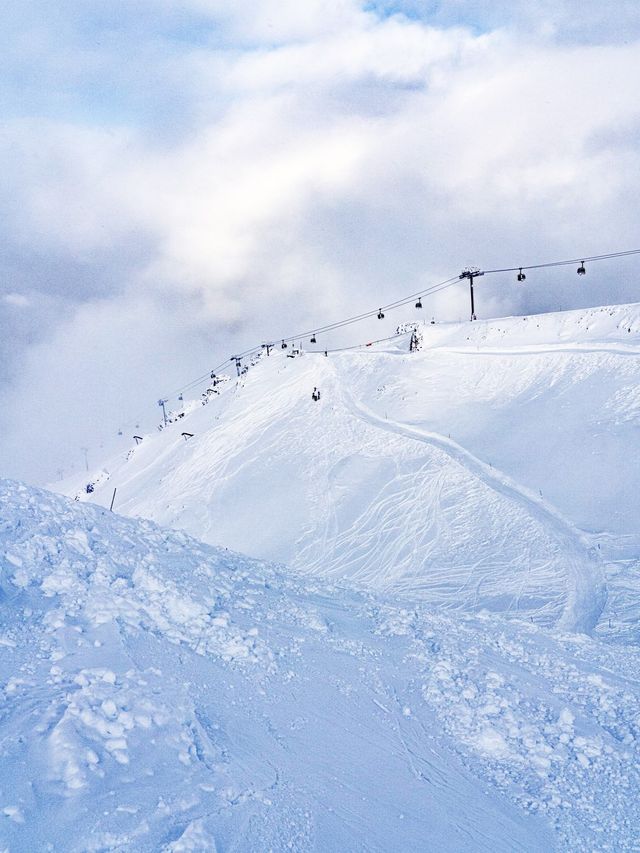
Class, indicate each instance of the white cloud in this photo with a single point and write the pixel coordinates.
(334, 165)
(65, 188)
(394, 52)
(275, 21)
(16, 300)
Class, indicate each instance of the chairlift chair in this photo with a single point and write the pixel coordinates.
(581, 270)
(521, 275)
(419, 302)
(380, 315)
(313, 338)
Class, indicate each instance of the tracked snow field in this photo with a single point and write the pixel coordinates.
(480, 473)
(158, 694)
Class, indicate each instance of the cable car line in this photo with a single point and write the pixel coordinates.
(330, 327)
(569, 262)
(363, 346)
(321, 329)
(194, 382)
(380, 312)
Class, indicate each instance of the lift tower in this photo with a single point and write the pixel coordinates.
(471, 273)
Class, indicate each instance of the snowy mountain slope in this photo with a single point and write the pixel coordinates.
(461, 474)
(161, 694)
(320, 488)
(553, 400)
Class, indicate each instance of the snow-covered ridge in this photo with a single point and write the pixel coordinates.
(160, 694)
(473, 474)
(606, 325)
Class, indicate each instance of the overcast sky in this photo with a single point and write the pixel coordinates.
(184, 178)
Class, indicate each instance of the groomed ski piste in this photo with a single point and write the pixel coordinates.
(432, 645)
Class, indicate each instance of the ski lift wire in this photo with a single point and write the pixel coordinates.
(405, 300)
(569, 262)
(330, 327)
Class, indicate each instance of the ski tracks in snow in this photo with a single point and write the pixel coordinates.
(586, 594)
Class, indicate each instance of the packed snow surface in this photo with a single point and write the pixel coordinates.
(158, 694)
(496, 469)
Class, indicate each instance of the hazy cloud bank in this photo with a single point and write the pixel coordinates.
(183, 179)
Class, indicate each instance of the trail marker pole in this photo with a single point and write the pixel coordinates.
(113, 499)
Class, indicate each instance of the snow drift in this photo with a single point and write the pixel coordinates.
(162, 694)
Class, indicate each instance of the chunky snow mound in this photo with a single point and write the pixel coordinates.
(157, 694)
(465, 474)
